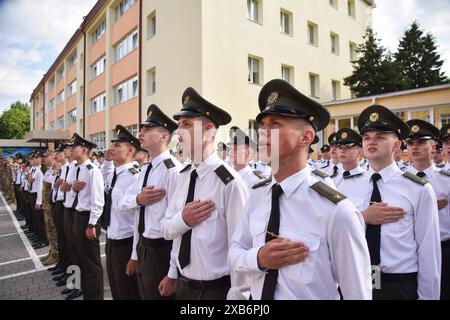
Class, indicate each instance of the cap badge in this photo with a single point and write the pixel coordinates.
(374, 117)
(149, 114)
(448, 130)
(186, 100)
(273, 97)
(311, 119)
(344, 135)
(415, 129)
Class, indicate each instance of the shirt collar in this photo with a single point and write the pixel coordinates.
(212, 162)
(386, 173)
(160, 158)
(292, 183)
(356, 170)
(245, 170)
(85, 163)
(124, 167)
(428, 171)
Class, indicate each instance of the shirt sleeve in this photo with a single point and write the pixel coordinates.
(97, 195)
(426, 229)
(39, 181)
(134, 255)
(349, 253)
(128, 200)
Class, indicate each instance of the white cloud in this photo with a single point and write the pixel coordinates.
(392, 17)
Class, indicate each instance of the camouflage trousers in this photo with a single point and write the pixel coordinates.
(52, 236)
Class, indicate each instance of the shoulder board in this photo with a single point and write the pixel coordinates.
(354, 176)
(259, 174)
(262, 183)
(328, 192)
(169, 163)
(133, 170)
(186, 168)
(445, 173)
(89, 166)
(415, 178)
(321, 174)
(136, 166)
(224, 174)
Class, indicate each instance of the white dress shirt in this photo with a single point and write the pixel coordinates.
(354, 186)
(210, 239)
(441, 187)
(260, 166)
(160, 177)
(122, 221)
(91, 197)
(334, 234)
(249, 177)
(412, 243)
(38, 183)
(70, 195)
(402, 165)
(330, 169)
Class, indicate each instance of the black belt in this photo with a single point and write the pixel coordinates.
(445, 244)
(398, 277)
(155, 243)
(121, 242)
(82, 213)
(206, 284)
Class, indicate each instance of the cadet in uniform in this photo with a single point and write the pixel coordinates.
(438, 157)
(223, 151)
(206, 207)
(334, 168)
(120, 223)
(150, 196)
(402, 219)
(349, 147)
(326, 158)
(87, 189)
(36, 180)
(398, 158)
(241, 154)
(421, 142)
(298, 238)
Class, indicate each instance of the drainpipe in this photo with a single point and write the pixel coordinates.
(140, 65)
(43, 109)
(84, 81)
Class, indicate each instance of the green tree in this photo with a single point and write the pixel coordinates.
(15, 121)
(375, 71)
(418, 59)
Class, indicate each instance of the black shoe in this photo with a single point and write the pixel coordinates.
(57, 266)
(60, 270)
(74, 294)
(39, 245)
(67, 291)
(20, 218)
(24, 227)
(63, 281)
(59, 277)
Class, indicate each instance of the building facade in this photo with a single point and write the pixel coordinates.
(129, 54)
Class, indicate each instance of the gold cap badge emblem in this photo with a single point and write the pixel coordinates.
(311, 119)
(186, 100)
(415, 129)
(273, 97)
(344, 135)
(374, 116)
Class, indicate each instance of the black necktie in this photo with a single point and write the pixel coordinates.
(56, 193)
(65, 180)
(346, 174)
(109, 199)
(421, 174)
(335, 171)
(273, 228)
(141, 225)
(75, 201)
(373, 232)
(31, 184)
(184, 256)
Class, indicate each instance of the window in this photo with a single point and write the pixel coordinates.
(127, 45)
(402, 115)
(98, 103)
(314, 85)
(123, 7)
(445, 119)
(313, 34)
(352, 50)
(51, 125)
(151, 81)
(253, 10)
(52, 104)
(334, 43)
(351, 8)
(151, 25)
(348, 122)
(60, 97)
(51, 84)
(287, 73)
(72, 61)
(254, 72)
(72, 116)
(441, 116)
(336, 89)
(286, 22)
(98, 68)
(100, 140)
(126, 90)
(333, 3)
(59, 75)
(422, 115)
(60, 123)
(72, 88)
(99, 32)
(133, 129)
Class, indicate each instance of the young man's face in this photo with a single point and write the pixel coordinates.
(348, 155)
(119, 151)
(380, 145)
(240, 154)
(150, 137)
(193, 131)
(398, 155)
(68, 152)
(282, 136)
(438, 156)
(78, 152)
(326, 155)
(334, 152)
(420, 150)
(141, 156)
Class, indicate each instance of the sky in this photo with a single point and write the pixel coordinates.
(33, 33)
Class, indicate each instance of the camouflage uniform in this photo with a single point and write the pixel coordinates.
(52, 237)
